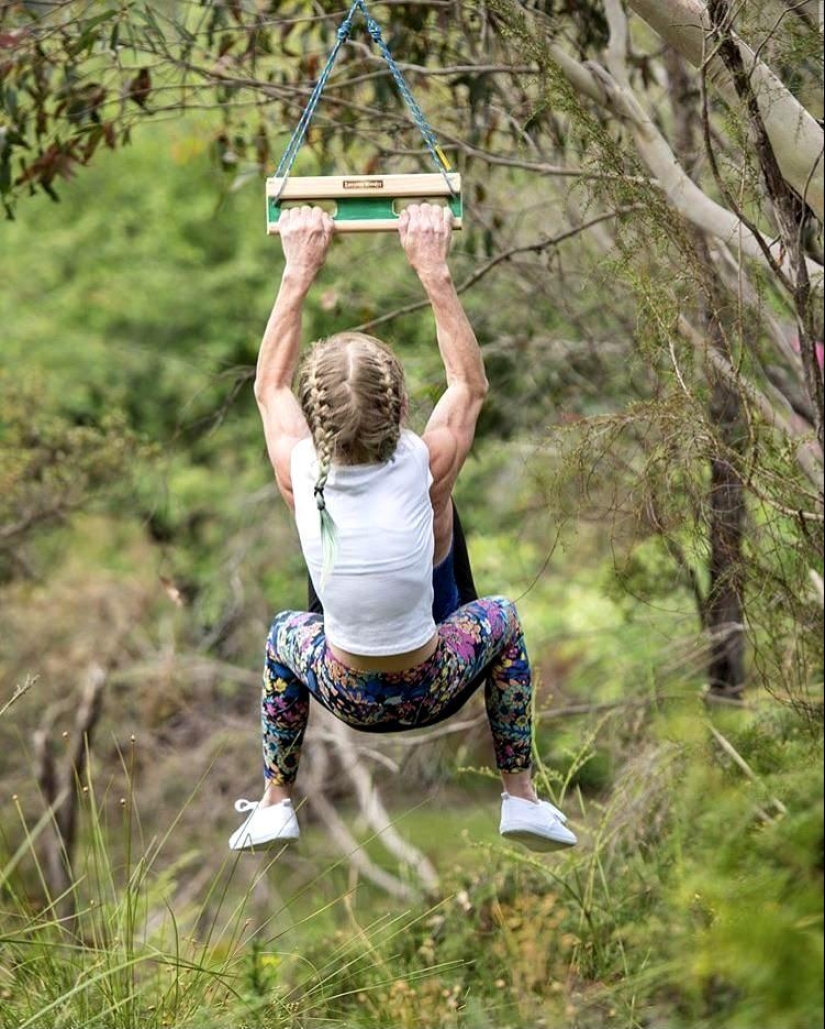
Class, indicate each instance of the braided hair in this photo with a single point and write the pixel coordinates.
(351, 390)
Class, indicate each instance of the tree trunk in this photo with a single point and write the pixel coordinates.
(790, 212)
(721, 609)
(723, 606)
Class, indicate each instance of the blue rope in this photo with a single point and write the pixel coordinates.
(294, 145)
(418, 115)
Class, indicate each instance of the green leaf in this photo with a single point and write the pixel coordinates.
(5, 174)
(10, 102)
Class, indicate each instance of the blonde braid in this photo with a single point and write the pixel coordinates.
(324, 440)
(318, 414)
(393, 398)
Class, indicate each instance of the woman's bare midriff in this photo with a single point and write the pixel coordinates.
(385, 662)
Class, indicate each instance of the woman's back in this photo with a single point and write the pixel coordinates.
(378, 596)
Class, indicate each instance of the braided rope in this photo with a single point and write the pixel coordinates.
(418, 115)
(295, 142)
(294, 145)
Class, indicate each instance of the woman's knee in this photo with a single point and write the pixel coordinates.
(287, 627)
(279, 623)
(507, 614)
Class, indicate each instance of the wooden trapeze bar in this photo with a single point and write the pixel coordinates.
(363, 203)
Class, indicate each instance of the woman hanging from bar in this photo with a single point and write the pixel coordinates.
(374, 513)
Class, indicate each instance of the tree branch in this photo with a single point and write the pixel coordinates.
(373, 810)
(795, 135)
(535, 248)
(807, 453)
(597, 84)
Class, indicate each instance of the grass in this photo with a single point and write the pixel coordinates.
(693, 901)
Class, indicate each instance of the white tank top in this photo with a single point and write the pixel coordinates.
(378, 597)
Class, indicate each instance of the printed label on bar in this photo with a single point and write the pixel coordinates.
(363, 184)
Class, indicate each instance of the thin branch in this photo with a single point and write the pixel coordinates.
(809, 460)
(374, 811)
(737, 758)
(529, 248)
(596, 83)
(793, 131)
(20, 689)
(730, 199)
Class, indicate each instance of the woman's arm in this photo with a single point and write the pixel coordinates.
(426, 231)
(305, 235)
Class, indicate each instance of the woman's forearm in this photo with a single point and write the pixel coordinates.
(457, 341)
(306, 234)
(281, 343)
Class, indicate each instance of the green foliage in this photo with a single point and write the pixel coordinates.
(51, 465)
(107, 290)
(697, 901)
(75, 84)
(750, 879)
(694, 899)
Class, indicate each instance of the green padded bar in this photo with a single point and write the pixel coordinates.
(364, 209)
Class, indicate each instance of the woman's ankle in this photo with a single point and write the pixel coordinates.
(519, 784)
(274, 793)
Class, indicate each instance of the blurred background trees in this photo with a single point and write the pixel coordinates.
(683, 143)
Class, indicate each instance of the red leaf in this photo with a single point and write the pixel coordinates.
(140, 87)
(9, 40)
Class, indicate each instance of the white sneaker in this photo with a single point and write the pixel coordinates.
(562, 817)
(539, 825)
(264, 825)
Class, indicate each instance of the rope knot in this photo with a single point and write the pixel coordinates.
(374, 28)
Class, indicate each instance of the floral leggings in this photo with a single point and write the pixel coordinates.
(484, 636)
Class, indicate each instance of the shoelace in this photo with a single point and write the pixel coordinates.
(243, 805)
(554, 811)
